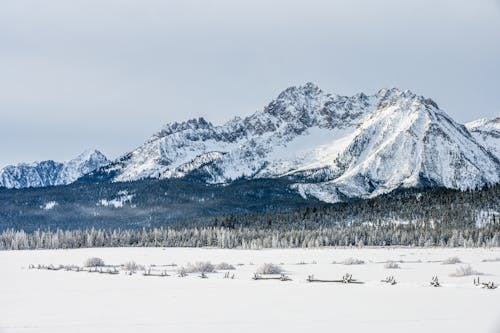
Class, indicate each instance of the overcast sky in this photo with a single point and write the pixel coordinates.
(106, 74)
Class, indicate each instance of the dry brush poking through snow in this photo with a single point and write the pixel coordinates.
(353, 261)
(466, 270)
(392, 265)
(132, 266)
(452, 261)
(94, 262)
(491, 260)
(200, 267)
(269, 268)
(224, 266)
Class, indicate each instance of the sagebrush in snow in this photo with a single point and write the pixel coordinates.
(181, 272)
(94, 262)
(132, 266)
(491, 260)
(224, 266)
(392, 265)
(466, 270)
(269, 268)
(452, 261)
(353, 261)
(200, 267)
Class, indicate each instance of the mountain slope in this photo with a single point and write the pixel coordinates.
(487, 133)
(407, 142)
(333, 147)
(249, 147)
(49, 173)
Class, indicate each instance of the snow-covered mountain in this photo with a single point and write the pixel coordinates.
(487, 133)
(333, 147)
(49, 173)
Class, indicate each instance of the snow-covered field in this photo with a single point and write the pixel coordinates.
(33, 300)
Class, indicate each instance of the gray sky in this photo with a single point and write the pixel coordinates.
(107, 74)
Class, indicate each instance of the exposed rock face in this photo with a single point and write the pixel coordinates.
(49, 173)
(333, 146)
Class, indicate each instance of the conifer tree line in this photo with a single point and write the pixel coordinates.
(436, 206)
(430, 217)
(251, 238)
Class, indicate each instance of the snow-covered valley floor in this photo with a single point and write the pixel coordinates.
(33, 300)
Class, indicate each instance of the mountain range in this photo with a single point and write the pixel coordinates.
(51, 173)
(327, 147)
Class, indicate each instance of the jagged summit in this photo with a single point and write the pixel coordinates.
(191, 124)
(333, 146)
(50, 173)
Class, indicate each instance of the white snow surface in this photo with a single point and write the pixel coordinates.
(63, 301)
(49, 205)
(333, 146)
(119, 201)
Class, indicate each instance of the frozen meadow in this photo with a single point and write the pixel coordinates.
(40, 300)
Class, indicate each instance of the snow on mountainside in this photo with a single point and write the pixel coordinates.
(487, 133)
(49, 173)
(334, 147)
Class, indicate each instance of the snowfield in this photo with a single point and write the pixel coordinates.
(34, 300)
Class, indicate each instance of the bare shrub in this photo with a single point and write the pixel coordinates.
(491, 260)
(353, 261)
(269, 268)
(224, 266)
(452, 261)
(466, 270)
(94, 262)
(200, 267)
(132, 266)
(392, 265)
(181, 272)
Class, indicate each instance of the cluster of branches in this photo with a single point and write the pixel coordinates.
(386, 234)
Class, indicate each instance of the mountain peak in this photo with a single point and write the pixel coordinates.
(174, 127)
(484, 124)
(335, 146)
(294, 92)
(330, 146)
(487, 133)
(49, 172)
(90, 154)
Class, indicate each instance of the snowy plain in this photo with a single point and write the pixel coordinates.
(33, 300)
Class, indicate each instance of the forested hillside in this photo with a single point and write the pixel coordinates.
(425, 217)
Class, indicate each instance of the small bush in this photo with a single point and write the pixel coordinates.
(224, 266)
(452, 261)
(269, 269)
(94, 262)
(491, 260)
(181, 271)
(466, 270)
(200, 267)
(353, 261)
(392, 265)
(132, 266)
